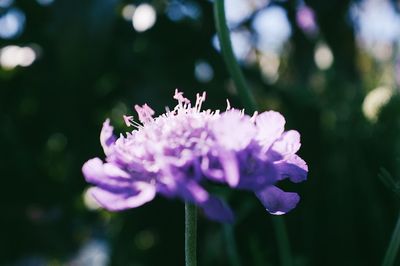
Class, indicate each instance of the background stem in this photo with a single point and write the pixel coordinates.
(233, 67)
(231, 247)
(393, 246)
(283, 241)
(190, 234)
(250, 104)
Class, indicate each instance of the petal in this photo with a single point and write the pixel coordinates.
(294, 168)
(107, 137)
(288, 144)
(212, 169)
(191, 191)
(105, 175)
(139, 194)
(230, 166)
(114, 171)
(257, 174)
(217, 210)
(276, 201)
(233, 130)
(270, 126)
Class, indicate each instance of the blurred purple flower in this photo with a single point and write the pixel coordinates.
(305, 18)
(177, 152)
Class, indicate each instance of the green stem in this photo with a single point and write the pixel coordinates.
(249, 103)
(283, 241)
(393, 246)
(190, 234)
(231, 63)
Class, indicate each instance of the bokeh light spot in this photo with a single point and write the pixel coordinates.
(128, 11)
(57, 142)
(323, 57)
(203, 71)
(241, 43)
(6, 3)
(144, 17)
(179, 10)
(374, 101)
(45, 2)
(89, 201)
(12, 56)
(145, 240)
(273, 29)
(12, 23)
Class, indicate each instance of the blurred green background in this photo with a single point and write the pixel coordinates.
(331, 67)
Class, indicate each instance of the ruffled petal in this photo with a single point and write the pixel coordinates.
(276, 201)
(270, 126)
(106, 175)
(138, 194)
(288, 143)
(107, 138)
(233, 130)
(217, 210)
(293, 168)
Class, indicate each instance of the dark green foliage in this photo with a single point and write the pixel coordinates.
(94, 65)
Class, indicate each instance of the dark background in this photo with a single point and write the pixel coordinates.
(90, 64)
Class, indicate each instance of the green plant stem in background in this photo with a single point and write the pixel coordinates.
(393, 246)
(231, 247)
(190, 234)
(233, 67)
(249, 103)
(283, 241)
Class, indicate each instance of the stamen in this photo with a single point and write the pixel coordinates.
(200, 100)
(181, 100)
(145, 113)
(253, 118)
(228, 105)
(128, 120)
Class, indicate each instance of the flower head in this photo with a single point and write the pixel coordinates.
(176, 153)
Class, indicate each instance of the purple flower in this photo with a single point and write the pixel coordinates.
(178, 152)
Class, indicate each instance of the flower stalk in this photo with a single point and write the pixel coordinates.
(393, 246)
(190, 234)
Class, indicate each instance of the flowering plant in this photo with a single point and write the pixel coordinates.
(176, 153)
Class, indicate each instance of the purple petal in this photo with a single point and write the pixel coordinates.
(139, 194)
(107, 137)
(233, 130)
(294, 168)
(257, 174)
(191, 191)
(270, 126)
(276, 201)
(230, 166)
(211, 168)
(288, 144)
(217, 210)
(105, 175)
